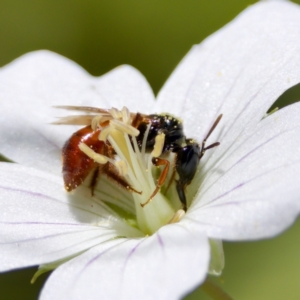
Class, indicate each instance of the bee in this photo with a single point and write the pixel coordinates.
(76, 165)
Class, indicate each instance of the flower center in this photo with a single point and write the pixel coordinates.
(153, 209)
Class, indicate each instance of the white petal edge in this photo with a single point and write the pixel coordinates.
(31, 85)
(39, 223)
(238, 71)
(254, 192)
(166, 265)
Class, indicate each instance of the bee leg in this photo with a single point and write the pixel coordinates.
(181, 194)
(114, 176)
(94, 179)
(171, 180)
(162, 178)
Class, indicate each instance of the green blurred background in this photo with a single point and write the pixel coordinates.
(153, 36)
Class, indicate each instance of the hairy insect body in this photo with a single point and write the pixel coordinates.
(188, 152)
(163, 123)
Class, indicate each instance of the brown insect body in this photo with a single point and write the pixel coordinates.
(76, 166)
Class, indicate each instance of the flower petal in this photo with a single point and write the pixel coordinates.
(238, 71)
(166, 265)
(253, 191)
(30, 87)
(40, 224)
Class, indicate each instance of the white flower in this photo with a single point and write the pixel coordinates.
(247, 188)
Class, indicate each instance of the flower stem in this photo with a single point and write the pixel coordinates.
(214, 291)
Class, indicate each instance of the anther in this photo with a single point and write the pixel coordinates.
(100, 159)
(159, 144)
(125, 128)
(125, 115)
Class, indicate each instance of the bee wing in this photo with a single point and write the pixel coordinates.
(88, 109)
(75, 120)
(106, 115)
(81, 119)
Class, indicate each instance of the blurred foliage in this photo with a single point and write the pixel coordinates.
(264, 270)
(153, 36)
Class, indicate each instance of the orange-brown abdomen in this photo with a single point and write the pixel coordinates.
(75, 164)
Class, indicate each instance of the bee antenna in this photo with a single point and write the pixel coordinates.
(203, 148)
(213, 127)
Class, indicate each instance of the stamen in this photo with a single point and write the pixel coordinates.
(119, 120)
(104, 133)
(143, 151)
(122, 167)
(177, 217)
(159, 144)
(118, 142)
(126, 115)
(123, 115)
(97, 120)
(125, 128)
(102, 159)
(150, 180)
(115, 113)
(134, 164)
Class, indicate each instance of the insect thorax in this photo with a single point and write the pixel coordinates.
(161, 123)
